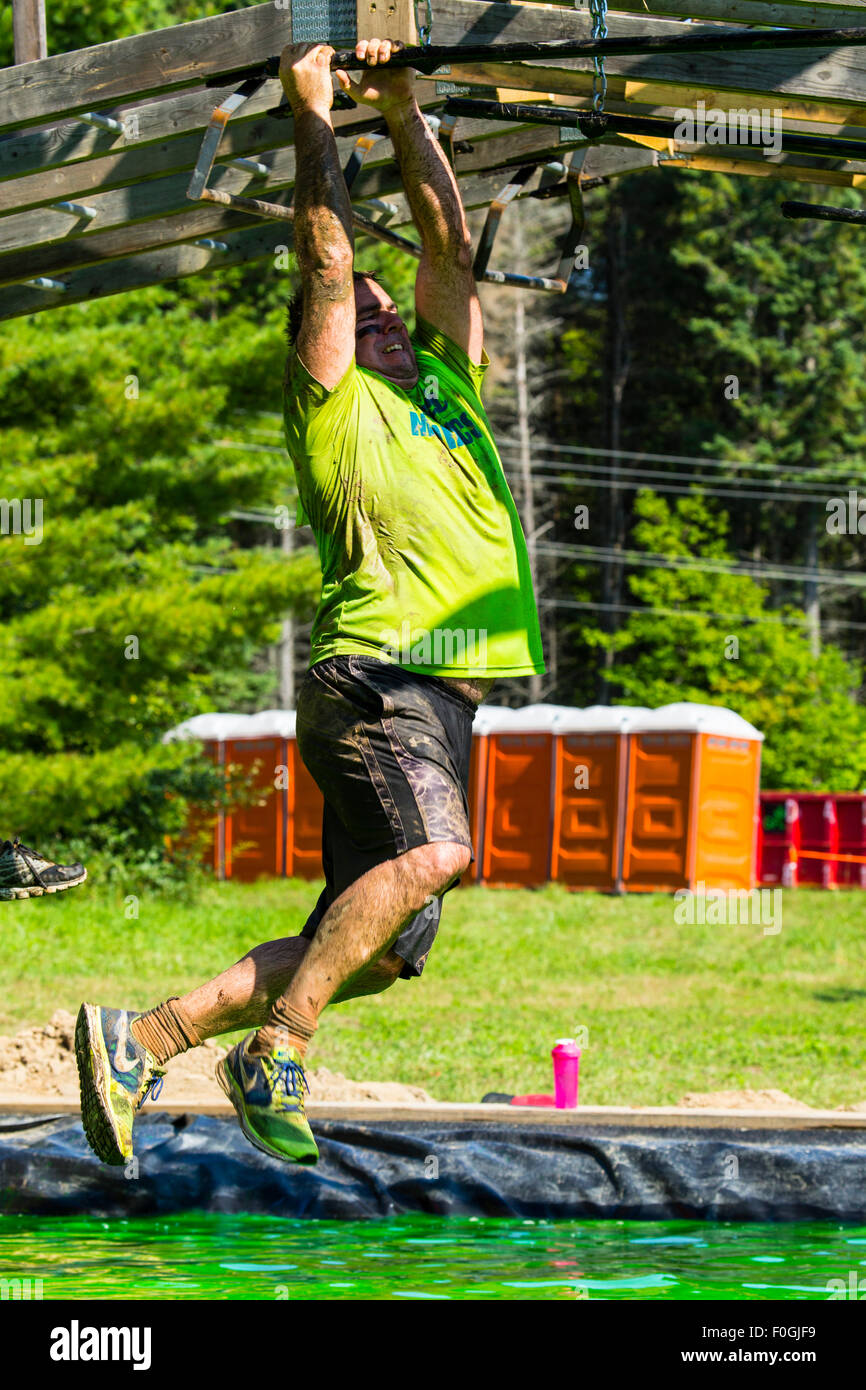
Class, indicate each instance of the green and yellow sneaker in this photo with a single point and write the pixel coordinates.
(268, 1094)
(116, 1074)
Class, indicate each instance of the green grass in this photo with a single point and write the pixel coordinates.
(669, 1008)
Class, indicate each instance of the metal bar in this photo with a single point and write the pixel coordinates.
(257, 207)
(212, 136)
(821, 212)
(494, 217)
(588, 125)
(363, 144)
(434, 56)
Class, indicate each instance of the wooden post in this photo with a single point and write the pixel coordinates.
(28, 27)
(387, 19)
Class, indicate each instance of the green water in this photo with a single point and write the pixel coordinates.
(427, 1257)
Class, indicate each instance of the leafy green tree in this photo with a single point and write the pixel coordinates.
(713, 639)
(145, 598)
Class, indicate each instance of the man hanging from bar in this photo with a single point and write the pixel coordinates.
(426, 599)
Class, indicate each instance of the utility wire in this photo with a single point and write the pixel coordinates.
(692, 613)
(609, 555)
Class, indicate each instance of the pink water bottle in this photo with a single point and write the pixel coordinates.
(566, 1066)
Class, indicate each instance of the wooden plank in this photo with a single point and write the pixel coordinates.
(657, 1117)
(810, 14)
(160, 61)
(840, 79)
(151, 121)
(28, 30)
(152, 268)
(171, 58)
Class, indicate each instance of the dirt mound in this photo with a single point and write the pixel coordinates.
(40, 1061)
(743, 1100)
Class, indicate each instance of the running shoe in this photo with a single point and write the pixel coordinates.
(117, 1074)
(268, 1094)
(24, 873)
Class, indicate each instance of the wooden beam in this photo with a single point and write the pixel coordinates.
(386, 19)
(28, 30)
(153, 268)
(810, 14)
(160, 61)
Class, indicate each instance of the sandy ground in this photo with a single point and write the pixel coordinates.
(41, 1062)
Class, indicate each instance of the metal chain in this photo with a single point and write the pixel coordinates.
(598, 10)
(424, 30)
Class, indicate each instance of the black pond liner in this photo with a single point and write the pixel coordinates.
(385, 1168)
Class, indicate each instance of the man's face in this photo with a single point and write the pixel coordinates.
(381, 338)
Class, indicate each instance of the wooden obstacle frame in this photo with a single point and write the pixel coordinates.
(97, 146)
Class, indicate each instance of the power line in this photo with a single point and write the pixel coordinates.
(672, 488)
(646, 475)
(609, 555)
(685, 458)
(691, 613)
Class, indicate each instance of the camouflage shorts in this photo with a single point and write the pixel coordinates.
(389, 750)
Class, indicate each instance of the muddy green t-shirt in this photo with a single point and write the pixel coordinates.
(424, 561)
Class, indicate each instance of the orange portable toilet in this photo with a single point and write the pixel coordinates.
(590, 762)
(692, 800)
(255, 845)
(303, 820)
(515, 848)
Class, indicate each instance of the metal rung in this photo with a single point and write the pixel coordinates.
(212, 136)
(210, 245)
(101, 122)
(77, 209)
(363, 145)
(559, 283)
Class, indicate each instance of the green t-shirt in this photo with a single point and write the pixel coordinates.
(423, 557)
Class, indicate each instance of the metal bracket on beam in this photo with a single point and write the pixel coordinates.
(250, 166)
(43, 283)
(208, 244)
(77, 209)
(101, 122)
